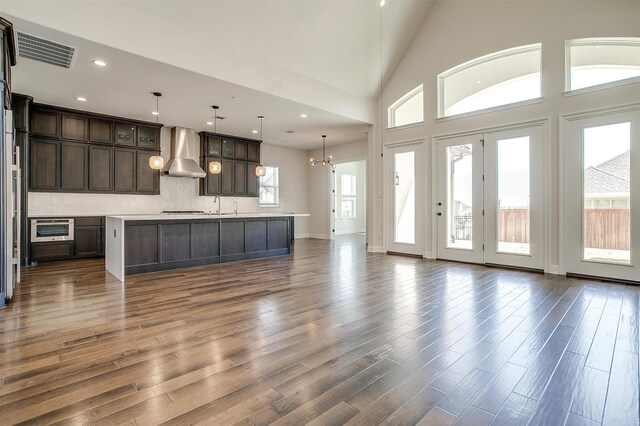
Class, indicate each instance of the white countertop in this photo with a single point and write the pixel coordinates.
(205, 216)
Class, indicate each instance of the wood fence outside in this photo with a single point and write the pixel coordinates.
(514, 226)
(607, 229)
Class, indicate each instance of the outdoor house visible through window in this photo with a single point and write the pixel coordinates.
(269, 187)
(347, 196)
(408, 109)
(595, 61)
(500, 78)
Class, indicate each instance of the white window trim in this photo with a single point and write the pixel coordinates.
(613, 41)
(490, 109)
(481, 60)
(397, 104)
(277, 203)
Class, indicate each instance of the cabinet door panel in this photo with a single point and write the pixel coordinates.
(228, 148)
(74, 128)
(212, 182)
(100, 168)
(253, 151)
(45, 123)
(74, 167)
(253, 185)
(52, 250)
(214, 146)
(125, 135)
(227, 176)
(241, 150)
(147, 178)
(87, 239)
(45, 165)
(240, 178)
(124, 170)
(148, 138)
(100, 131)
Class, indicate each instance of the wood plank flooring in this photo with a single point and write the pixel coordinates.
(331, 335)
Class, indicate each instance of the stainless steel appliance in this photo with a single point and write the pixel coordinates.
(51, 230)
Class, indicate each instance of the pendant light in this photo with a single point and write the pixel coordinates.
(156, 162)
(215, 166)
(326, 161)
(260, 169)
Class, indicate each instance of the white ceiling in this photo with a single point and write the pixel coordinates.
(278, 58)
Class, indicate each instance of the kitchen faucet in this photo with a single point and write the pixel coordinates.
(217, 198)
(235, 207)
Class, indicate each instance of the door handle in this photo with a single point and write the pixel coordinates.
(439, 214)
(439, 204)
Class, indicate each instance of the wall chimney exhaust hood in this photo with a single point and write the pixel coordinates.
(184, 151)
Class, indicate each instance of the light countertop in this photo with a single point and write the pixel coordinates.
(205, 216)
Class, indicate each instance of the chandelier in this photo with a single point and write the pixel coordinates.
(326, 161)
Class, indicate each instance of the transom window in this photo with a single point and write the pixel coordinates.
(594, 61)
(269, 187)
(500, 78)
(409, 109)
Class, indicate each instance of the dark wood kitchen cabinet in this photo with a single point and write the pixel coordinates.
(147, 179)
(124, 170)
(89, 236)
(239, 158)
(54, 250)
(74, 168)
(73, 151)
(100, 168)
(44, 166)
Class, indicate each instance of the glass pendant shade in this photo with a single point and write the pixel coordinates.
(215, 167)
(156, 162)
(261, 170)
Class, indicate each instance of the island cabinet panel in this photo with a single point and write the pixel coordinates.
(279, 234)
(176, 242)
(255, 238)
(141, 244)
(206, 239)
(166, 244)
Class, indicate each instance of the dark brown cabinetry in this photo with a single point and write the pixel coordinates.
(239, 158)
(88, 242)
(74, 167)
(44, 167)
(73, 151)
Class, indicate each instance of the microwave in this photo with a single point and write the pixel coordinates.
(51, 230)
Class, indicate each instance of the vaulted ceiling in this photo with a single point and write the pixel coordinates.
(323, 58)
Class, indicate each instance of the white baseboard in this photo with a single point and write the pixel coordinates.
(300, 236)
(318, 236)
(350, 231)
(428, 255)
(375, 249)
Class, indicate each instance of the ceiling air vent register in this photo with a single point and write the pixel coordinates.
(43, 50)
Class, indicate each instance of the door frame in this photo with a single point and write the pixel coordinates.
(331, 200)
(420, 193)
(547, 165)
(564, 126)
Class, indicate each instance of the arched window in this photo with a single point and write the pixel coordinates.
(500, 78)
(594, 61)
(408, 109)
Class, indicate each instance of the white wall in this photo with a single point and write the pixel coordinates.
(358, 223)
(177, 193)
(456, 32)
(319, 184)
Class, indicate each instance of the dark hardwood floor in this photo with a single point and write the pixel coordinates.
(330, 335)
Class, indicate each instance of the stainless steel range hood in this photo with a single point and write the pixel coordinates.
(184, 151)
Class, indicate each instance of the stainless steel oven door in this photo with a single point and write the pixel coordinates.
(51, 230)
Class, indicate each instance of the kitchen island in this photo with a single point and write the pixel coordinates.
(160, 242)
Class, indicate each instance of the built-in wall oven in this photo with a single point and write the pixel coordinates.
(51, 230)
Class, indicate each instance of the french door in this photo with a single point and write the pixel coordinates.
(602, 195)
(489, 206)
(403, 182)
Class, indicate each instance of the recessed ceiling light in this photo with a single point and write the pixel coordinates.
(303, 115)
(254, 131)
(100, 62)
(209, 123)
(81, 99)
(155, 113)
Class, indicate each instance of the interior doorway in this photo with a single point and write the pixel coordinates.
(349, 193)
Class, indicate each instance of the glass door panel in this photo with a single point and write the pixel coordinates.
(606, 193)
(514, 198)
(460, 196)
(403, 182)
